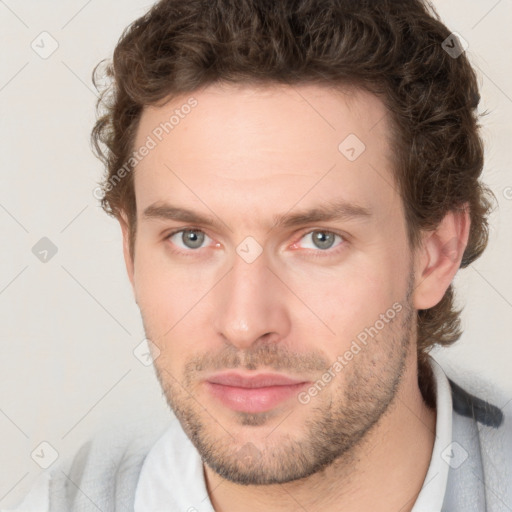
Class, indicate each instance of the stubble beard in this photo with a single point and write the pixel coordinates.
(337, 423)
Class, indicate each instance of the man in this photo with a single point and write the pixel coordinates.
(297, 184)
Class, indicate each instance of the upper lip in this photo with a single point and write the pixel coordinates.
(261, 380)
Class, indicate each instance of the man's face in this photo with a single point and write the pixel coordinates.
(281, 344)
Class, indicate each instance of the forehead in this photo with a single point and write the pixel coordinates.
(252, 116)
(254, 148)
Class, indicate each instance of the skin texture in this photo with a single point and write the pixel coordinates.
(242, 156)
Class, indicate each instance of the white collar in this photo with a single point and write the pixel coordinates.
(431, 496)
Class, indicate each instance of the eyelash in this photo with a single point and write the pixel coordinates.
(316, 253)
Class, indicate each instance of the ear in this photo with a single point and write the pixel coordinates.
(123, 221)
(439, 257)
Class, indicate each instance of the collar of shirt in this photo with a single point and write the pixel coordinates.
(430, 498)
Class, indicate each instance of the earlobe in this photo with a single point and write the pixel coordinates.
(439, 257)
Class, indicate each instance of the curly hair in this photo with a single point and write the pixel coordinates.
(395, 49)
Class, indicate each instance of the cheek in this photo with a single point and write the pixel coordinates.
(169, 299)
(159, 292)
(352, 297)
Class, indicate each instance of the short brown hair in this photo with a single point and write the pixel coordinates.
(393, 48)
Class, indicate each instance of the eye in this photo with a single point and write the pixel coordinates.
(321, 239)
(189, 238)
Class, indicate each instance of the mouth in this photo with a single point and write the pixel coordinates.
(253, 394)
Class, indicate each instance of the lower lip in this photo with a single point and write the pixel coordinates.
(254, 400)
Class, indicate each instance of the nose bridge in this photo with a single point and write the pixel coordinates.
(252, 304)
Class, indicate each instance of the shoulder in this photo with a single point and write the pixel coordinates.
(37, 499)
(484, 426)
(103, 471)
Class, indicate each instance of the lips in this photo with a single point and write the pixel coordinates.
(253, 394)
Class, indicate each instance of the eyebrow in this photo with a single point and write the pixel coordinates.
(330, 211)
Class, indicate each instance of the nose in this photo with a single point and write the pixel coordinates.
(251, 304)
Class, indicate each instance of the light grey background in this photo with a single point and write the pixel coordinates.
(69, 326)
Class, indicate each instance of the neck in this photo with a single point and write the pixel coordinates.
(385, 471)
